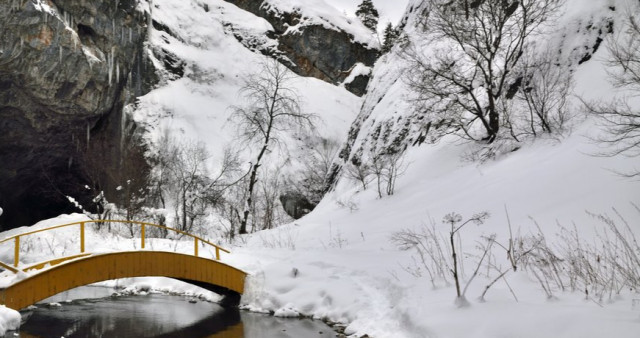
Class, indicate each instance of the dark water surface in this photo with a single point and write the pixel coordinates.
(95, 314)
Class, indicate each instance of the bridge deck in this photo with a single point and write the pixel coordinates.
(213, 275)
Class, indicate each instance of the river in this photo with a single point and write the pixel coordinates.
(94, 313)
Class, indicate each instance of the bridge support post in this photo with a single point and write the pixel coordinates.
(81, 237)
(142, 235)
(195, 245)
(16, 252)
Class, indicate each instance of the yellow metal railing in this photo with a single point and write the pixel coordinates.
(143, 225)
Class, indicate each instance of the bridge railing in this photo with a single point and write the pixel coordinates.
(81, 226)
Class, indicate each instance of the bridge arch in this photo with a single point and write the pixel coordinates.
(209, 274)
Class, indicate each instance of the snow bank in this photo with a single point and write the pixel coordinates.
(9, 319)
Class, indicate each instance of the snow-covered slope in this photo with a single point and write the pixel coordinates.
(390, 119)
(339, 261)
(197, 106)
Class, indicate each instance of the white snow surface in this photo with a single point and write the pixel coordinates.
(338, 263)
(198, 106)
(319, 12)
(9, 319)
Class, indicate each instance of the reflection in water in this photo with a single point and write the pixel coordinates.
(130, 316)
(265, 326)
(155, 315)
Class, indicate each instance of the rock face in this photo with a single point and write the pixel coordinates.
(325, 53)
(67, 67)
(296, 204)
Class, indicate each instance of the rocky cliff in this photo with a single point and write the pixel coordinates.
(314, 47)
(67, 67)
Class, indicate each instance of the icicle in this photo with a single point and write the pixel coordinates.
(138, 79)
(110, 66)
(88, 135)
(118, 72)
(150, 21)
(130, 38)
(123, 120)
(110, 63)
(60, 54)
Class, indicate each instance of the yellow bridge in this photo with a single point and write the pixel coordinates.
(48, 278)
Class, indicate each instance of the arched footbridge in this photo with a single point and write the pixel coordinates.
(51, 277)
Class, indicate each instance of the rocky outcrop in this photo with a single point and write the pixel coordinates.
(295, 204)
(67, 68)
(314, 49)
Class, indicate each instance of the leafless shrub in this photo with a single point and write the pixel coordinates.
(608, 265)
(601, 268)
(386, 168)
(348, 203)
(268, 212)
(283, 238)
(318, 154)
(541, 101)
(619, 119)
(430, 249)
(440, 256)
(361, 173)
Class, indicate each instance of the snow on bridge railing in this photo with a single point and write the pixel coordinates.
(143, 225)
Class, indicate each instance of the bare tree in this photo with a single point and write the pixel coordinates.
(268, 209)
(387, 168)
(360, 172)
(475, 49)
(189, 175)
(620, 120)
(272, 109)
(318, 154)
(544, 92)
(181, 179)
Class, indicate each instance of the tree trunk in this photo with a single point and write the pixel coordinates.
(494, 119)
(184, 210)
(252, 182)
